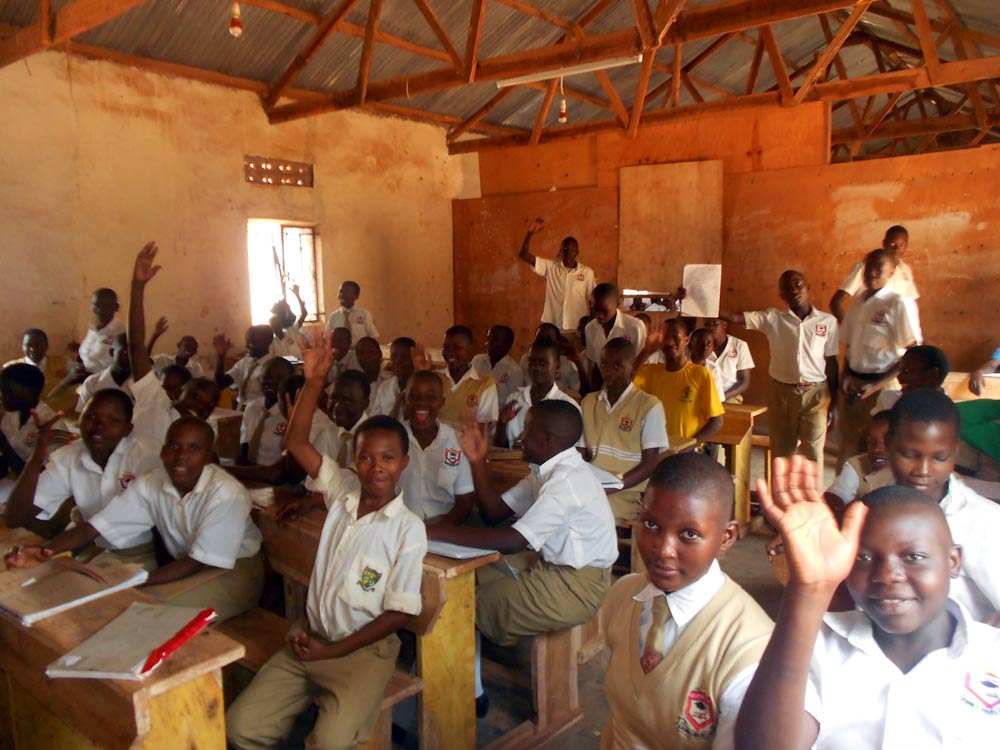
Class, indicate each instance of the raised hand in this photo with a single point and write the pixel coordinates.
(535, 226)
(472, 437)
(161, 327)
(26, 557)
(819, 552)
(654, 341)
(317, 357)
(421, 361)
(144, 269)
(509, 411)
(222, 344)
(295, 290)
(48, 439)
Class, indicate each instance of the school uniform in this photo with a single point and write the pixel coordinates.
(388, 401)
(357, 318)
(725, 367)
(52, 366)
(887, 398)
(210, 524)
(567, 376)
(95, 350)
(289, 345)
(364, 567)
(900, 282)
(507, 374)
(22, 437)
(338, 443)
(701, 659)
(799, 398)
(567, 292)
(340, 366)
(246, 375)
(376, 385)
(98, 382)
(436, 474)
(163, 361)
(154, 412)
(853, 481)
(617, 434)
(657, 358)
(563, 514)
(862, 701)
(263, 430)
(688, 395)
(625, 326)
(975, 526)
(471, 390)
(522, 397)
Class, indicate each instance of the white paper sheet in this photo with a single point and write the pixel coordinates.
(703, 283)
(456, 551)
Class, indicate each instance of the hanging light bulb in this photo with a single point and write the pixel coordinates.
(563, 118)
(235, 25)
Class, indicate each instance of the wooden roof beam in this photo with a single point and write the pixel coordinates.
(542, 15)
(640, 94)
(831, 51)
(469, 123)
(442, 36)
(912, 128)
(612, 93)
(778, 65)
(644, 24)
(667, 13)
(543, 113)
(368, 49)
(758, 57)
(472, 43)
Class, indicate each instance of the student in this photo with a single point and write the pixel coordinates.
(803, 368)
(35, 348)
(437, 483)
(173, 378)
(262, 430)
(568, 375)
(369, 356)
(922, 366)
(700, 346)
(155, 408)
(388, 400)
(117, 375)
(685, 639)
(344, 358)
(655, 358)
(498, 364)
(20, 392)
(624, 429)
(286, 328)
(187, 350)
(896, 242)
(880, 326)
(92, 470)
(729, 362)
(568, 283)
(978, 380)
(543, 359)
(201, 513)
(463, 386)
(350, 315)
(562, 514)
(246, 373)
(364, 587)
(95, 351)
(609, 323)
(852, 483)
(907, 669)
(686, 390)
(348, 408)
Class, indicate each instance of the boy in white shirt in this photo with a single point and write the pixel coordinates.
(286, 328)
(92, 470)
(201, 513)
(364, 587)
(35, 348)
(922, 366)
(463, 386)
(245, 375)
(896, 242)
(20, 392)
(908, 668)
(610, 323)
(263, 427)
(568, 374)
(369, 356)
(117, 375)
(498, 363)
(389, 398)
(568, 283)
(95, 350)
(350, 315)
(344, 358)
(187, 349)
(730, 362)
(348, 405)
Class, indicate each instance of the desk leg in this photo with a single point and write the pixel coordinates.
(446, 664)
(740, 467)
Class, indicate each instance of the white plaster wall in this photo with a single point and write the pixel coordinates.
(97, 158)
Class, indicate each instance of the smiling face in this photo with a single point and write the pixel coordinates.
(34, 346)
(922, 455)
(187, 450)
(103, 424)
(680, 534)
(347, 403)
(457, 351)
(897, 242)
(876, 436)
(379, 461)
(914, 373)
(198, 398)
(675, 341)
(423, 402)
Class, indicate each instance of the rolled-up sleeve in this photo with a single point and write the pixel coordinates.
(402, 589)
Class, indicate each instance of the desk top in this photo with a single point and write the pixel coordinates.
(752, 410)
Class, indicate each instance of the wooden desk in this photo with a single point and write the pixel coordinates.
(737, 424)
(680, 444)
(445, 629)
(178, 706)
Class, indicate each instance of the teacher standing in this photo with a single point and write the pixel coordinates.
(568, 283)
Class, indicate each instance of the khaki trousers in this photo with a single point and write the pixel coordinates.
(797, 418)
(539, 599)
(230, 594)
(625, 504)
(855, 416)
(348, 692)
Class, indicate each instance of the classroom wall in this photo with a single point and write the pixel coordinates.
(97, 158)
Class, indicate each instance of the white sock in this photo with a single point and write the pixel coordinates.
(479, 669)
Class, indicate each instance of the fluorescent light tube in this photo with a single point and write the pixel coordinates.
(572, 70)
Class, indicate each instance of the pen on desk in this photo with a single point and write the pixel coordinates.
(158, 654)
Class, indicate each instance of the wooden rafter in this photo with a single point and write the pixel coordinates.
(758, 56)
(831, 51)
(475, 36)
(542, 15)
(465, 125)
(644, 24)
(368, 48)
(640, 94)
(436, 118)
(907, 19)
(925, 35)
(675, 89)
(543, 113)
(838, 65)
(777, 64)
(667, 13)
(700, 58)
(442, 36)
(616, 101)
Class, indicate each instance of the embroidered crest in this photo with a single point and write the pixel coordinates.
(369, 577)
(125, 480)
(281, 428)
(733, 352)
(580, 277)
(699, 718)
(821, 330)
(472, 400)
(505, 377)
(983, 691)
(360, 319)
(687, 394)
(878, 318)
(452, 456)
(626, 424)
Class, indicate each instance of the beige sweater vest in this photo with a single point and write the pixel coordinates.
(615, 439)
(677, 704)
(466, 395)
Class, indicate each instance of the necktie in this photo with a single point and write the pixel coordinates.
(652, 653)
(345, 442)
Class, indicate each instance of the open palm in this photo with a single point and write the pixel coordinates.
(144, 269)
(317, 359)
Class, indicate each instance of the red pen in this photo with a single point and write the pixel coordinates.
(185, 634)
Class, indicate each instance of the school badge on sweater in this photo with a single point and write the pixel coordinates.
(369, 578)
(699, 717)
(452, 456)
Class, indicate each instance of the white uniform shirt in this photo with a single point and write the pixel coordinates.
(436, 474)
(95, 350)
(72, 472)
(488, 408)
(887, 399)
(735, 357)
(385, 398)
(563, 512)
(272, 439)
(289, 345)
(154, 411)
(248, 370)
(847, 483)
(364, 566)
(98, 382)
(799, 348)
(653, 429)
(900, 282)
(163, 361)
(567, 376)
(210, 524)
(22, 437)
(567, 292)
(522, 397)
(862, 701)
(332, 442)
(685, 604)
(625, 326)
(506, 372)
(345, 363)
(877, 330)
(659, 358)
(358, 319)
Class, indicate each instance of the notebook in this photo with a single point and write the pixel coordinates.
(456, 551)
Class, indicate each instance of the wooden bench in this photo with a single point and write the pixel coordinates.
(262, 634)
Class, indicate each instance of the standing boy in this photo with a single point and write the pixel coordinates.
(351, 315)
(498, 363)
(896, 242)
(568, 283)
(95, 351)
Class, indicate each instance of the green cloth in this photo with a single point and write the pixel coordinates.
(980, 428)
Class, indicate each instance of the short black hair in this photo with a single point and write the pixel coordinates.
(388, 424)
(561, 420)
(788, 273)
(190, 421)
(205, 384)
(547, 345)
(404, 341)
(507, 331)
(343, 331)
(281, 364)
(36, 332)
(353, 285)
(622, 344)
(547, 327)
(367, 340)
(23, 375)
(932, 358)
(177, 370)
(605, 290)
(924, 405)
(357, 377)
(291, 387)
(106, 292)
(880, 254)
(113, 394)
(460, 330)
(260, 330)
(429, 375)
(696, 473)
(704, 330)
(897, 229)
(681, 323)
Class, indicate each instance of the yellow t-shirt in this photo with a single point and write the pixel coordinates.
(688, 395)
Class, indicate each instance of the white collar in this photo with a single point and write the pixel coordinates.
(570, 455)
(207, 476)
(390, 509)
(603, 396)
(549, 395)
(686, 603)
(956, 498)
(361, 421)
(90, 464)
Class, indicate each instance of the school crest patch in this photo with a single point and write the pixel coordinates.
(687, 394)
(699, 718)
(505, 377)
(733, 352)
(472, 400)
(281, 429)
(983, 691)
(878, 318)
(821, 330)
(369, 578)
(452, 456)
(626, 424)
(580, 277)
(125, 480)
(359, 319)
